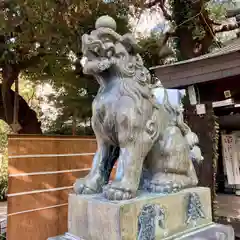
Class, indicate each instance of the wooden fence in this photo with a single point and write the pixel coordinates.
(42, 170)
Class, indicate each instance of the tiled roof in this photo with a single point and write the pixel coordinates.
(230, 47)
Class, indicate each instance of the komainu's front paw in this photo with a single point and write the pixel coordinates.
(165, 188)
(81, 187)
(114, 192)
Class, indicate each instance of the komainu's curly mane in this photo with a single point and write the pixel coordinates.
(137, 85)
(122, 59)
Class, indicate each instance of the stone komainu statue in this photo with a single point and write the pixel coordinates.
(152, 144)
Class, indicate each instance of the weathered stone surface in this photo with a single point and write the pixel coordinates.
(92, 217)
(65, 237)
(57, 238)
(212, 232)
(130, 126)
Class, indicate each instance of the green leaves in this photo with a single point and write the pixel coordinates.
(43, 38)
(3, 176)
(153, 52)
(195, 23)
(4, 131)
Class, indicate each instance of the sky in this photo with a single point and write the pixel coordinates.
(147, 22)
(173, 95)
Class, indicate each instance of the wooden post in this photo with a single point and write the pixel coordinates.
(205, 127)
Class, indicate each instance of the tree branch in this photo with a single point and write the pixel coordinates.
(31, 98)
(152, 3)
(211, 21)
(166, 15)
(161, 4)
(4, 4)
(227, 27)
(27, 117)
(9, 74)
(165, 39)
(31, 61)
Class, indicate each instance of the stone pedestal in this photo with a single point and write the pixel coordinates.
(184, 215)
(210, 232)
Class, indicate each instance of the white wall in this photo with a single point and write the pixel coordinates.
(173, 95)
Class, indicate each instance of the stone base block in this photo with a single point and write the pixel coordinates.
(149, 216)
(64, 237)
(211, 232)
(57, 238)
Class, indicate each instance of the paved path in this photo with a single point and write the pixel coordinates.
(229, 208)
(229, 205)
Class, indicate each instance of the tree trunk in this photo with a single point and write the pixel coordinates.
(185, 44)
(26, 116)
(9, 74)
(204, 127)
(74, 123)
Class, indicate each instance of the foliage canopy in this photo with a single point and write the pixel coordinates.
(42, 41)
